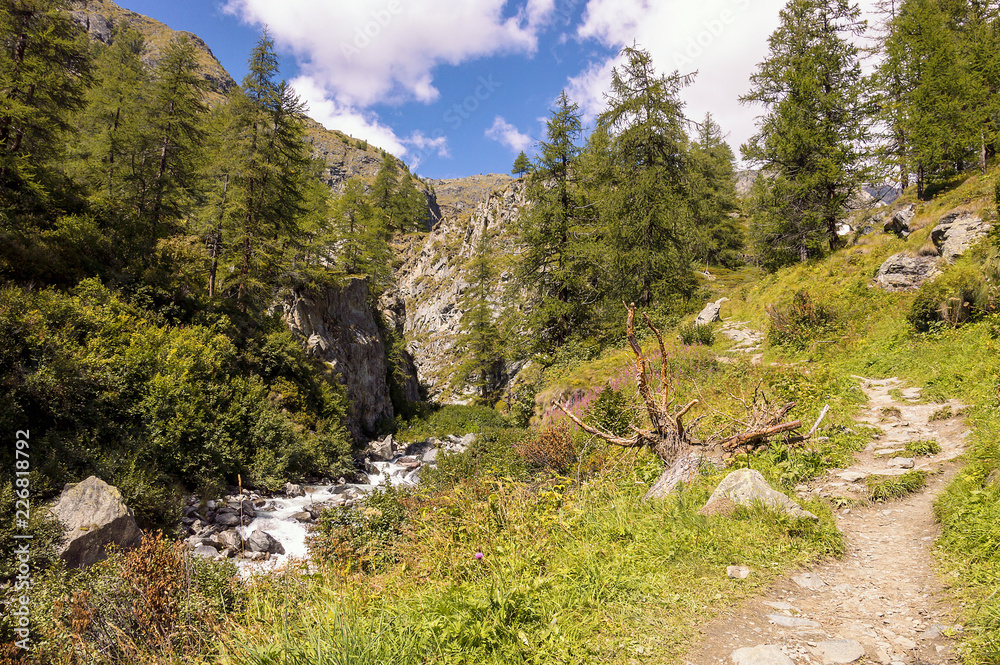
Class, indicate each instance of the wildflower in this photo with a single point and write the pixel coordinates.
(479, 555)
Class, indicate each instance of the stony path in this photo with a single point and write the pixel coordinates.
(882, 602)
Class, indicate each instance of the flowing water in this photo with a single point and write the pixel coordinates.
(277, 517)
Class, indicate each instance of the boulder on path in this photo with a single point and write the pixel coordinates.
(746, 486)
(902, 272)
(711, 313)
(899, 221)
(95, 516)
(765, 654)
(839, 652)
(956, 232)
(260, 541)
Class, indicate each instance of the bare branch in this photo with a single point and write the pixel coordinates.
(634, 442)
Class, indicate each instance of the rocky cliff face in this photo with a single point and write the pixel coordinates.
(432, 279)
(338, 325)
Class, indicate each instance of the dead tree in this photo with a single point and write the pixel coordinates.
(668, 438)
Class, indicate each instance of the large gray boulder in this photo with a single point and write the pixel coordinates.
(746, 487)
(899, 221)
(95, 516)
(956, 232)
(711, 313)
(259, 541)
(902, 272)
(383, 450)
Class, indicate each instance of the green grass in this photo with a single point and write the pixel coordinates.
(922, 447)
(887, 488)
(576, 574)
(944, 413)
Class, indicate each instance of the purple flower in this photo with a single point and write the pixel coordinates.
(479, 555)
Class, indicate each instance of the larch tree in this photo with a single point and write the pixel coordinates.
(266, 183)
(521, 165)
(554, 232)
(810, 141)
(712, 188)
(44, 71)
(643, 202)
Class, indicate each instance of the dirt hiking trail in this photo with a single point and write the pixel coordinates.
(882, 602)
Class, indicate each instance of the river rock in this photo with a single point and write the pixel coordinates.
(95, 516)
(902, 272)
(766, 654)
(710, 314)
(956, 232)
(260, 541)
(839, 652)
(293, 490)
(384, 450)
(228, 519)
(230, 538)
(304, 516)
(746, 486)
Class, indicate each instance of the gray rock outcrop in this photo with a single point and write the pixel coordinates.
(746, 487)
(432, 279)
(95, 516)
(902, 272)
(956, 232)
(711, 313)
(899, 221)
(339, 327)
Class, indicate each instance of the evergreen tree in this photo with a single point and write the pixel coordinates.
(113, 116)
(809, 143)
(713, 199)
(384, 190)
(479, 340)
(267, 181)
(553, 264)
(643, 202)
(175, 117)
(412, 203)
(44, 71)
(937, 91)
(521, 164)
(362, 234)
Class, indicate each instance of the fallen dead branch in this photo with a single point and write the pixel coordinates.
(668, 437)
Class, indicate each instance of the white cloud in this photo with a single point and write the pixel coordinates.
(416, 147)
(507, 134)
(352, 122)
(723, 40)
(370, 51)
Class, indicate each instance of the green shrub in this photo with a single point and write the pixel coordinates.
(801, 322)
(691, 334)
(452, 419)
(493, 454)
(550, 449)
(951, 300)
(361, 537)
(610, 411)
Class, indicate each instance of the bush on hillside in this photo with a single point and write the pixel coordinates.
(960, 295)
(801, 322)
(550, 449)
(691, 334)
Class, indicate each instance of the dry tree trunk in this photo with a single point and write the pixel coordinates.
(668, 438)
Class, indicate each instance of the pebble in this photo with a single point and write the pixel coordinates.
(737, 572)
(852, 476)
(901, 463)
(809, 581)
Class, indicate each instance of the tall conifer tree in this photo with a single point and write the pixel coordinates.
(809, 142)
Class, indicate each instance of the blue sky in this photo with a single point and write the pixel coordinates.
(458, 87)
